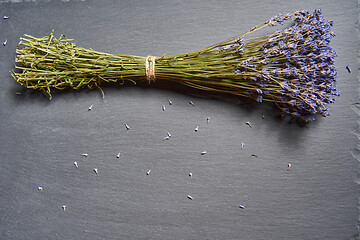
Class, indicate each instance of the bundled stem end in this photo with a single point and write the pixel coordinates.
(293, 68)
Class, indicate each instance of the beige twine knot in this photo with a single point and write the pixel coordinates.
(150, 68)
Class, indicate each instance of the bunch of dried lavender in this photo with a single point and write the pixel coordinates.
(293, 68)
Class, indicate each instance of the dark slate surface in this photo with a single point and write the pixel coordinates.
(40, 139)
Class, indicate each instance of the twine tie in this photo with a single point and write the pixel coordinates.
(150, 68)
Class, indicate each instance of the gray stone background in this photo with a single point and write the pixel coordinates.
(40, 139)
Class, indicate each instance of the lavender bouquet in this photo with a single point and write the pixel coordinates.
(293, 68)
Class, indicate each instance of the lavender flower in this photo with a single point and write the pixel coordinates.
(300, 67)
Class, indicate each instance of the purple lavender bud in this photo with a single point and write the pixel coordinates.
(265, 71)
(276, 71)
(259, 98)
(292, 102)
(271, 22)
(244, 63)
(284, 86)
(281, 45)
(240, 41)
(240, 51)
(264, 61)
(287, 16)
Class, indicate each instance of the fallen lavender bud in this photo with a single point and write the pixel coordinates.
(289, 166)
(348, 68)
